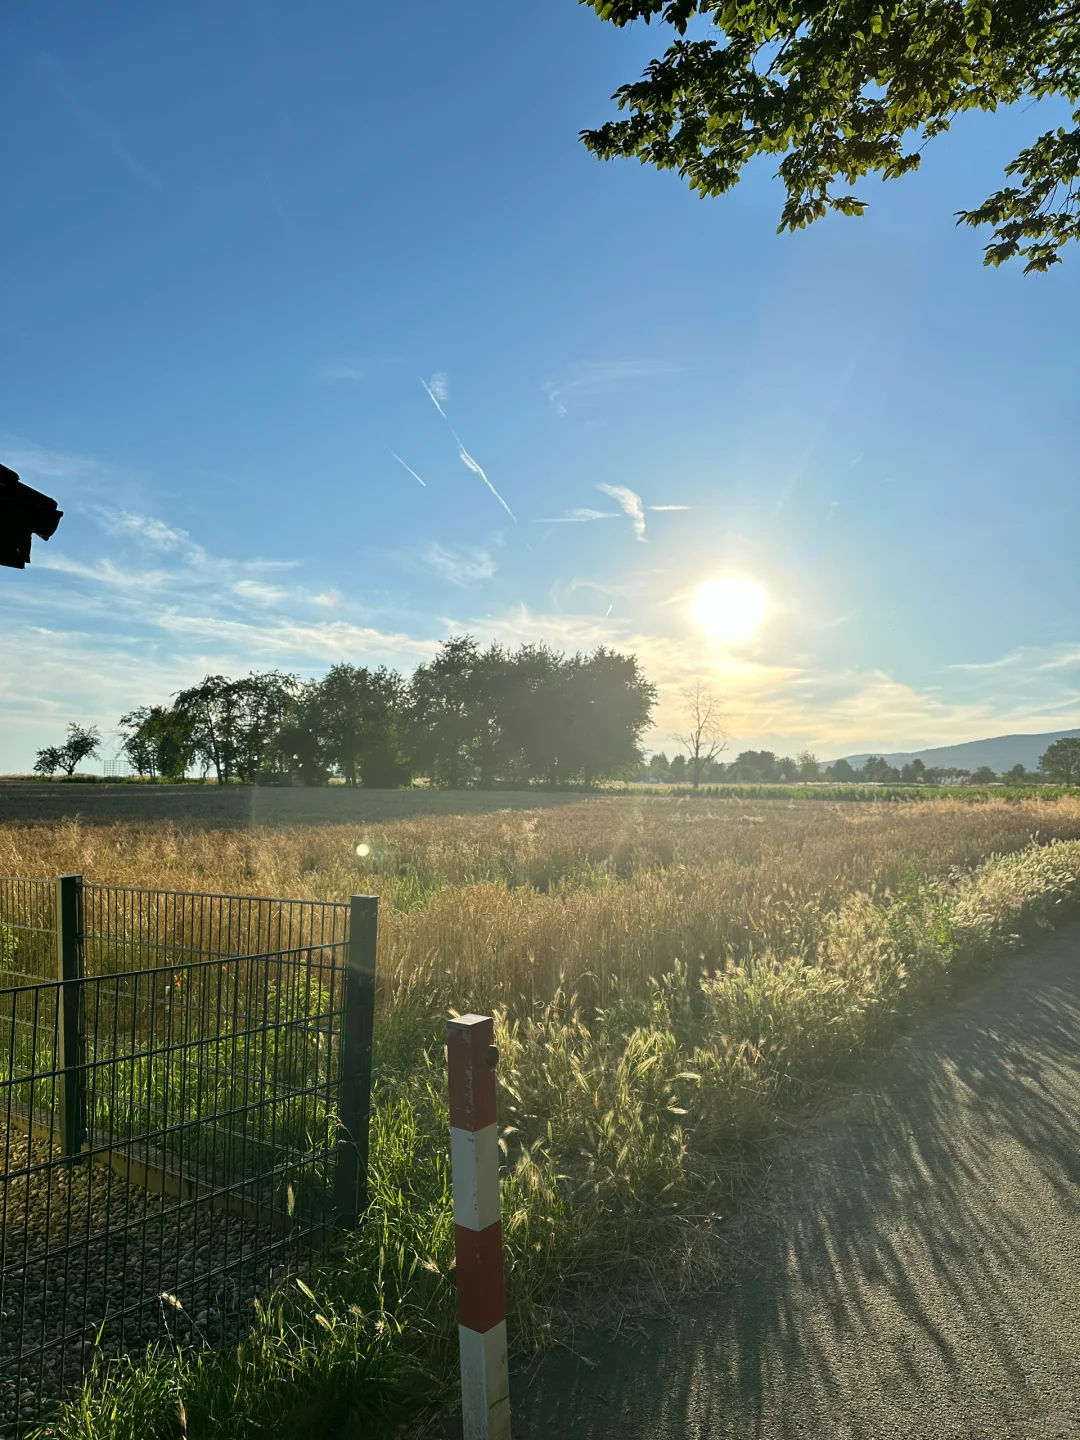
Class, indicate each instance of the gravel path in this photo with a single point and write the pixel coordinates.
(70, 1290)
(920, 1274)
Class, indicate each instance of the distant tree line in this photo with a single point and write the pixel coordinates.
(1059, 765)
(469, 717)
(472, 717)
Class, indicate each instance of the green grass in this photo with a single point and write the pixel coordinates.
(213, 1088)
(631, 1127)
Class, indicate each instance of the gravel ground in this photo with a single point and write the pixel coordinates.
(94, 1265)
(245, 805)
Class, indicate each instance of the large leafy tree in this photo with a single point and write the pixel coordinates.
(81, 743)
(354, 721)
(842, 772)
(446, 719)
(609, 704)
(536, 716)
(755, 767)
(49, 760)
(840, 89)
(234, 724)
(158, 741)
(1060, 761)
(878, 770)
(490, 717)
(208, 711)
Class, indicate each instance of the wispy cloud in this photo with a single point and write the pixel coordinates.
(631, 506)
(259, 592)
(1031, 659)
(460, 564)
(1001, 664)
(106, 572)
(599, 587)
(477, 469)
(342, 372)
(587, 384)
(629, 503)
(580, 516)
(32, 462)
(295, 641)
(107, 137)
(409, 468)
(147, 528)
(439, 390)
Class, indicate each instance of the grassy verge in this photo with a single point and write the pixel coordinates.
(631, 1117)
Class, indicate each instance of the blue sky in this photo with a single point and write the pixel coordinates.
(238, 237)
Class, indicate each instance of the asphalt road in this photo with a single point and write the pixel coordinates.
(920, 1274)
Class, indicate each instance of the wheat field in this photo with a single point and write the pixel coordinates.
(503, 908)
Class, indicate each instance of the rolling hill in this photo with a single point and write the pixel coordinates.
(1000, 752)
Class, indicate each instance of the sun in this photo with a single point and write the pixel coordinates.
(730, 607)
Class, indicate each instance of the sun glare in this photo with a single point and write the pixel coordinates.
(730, 608)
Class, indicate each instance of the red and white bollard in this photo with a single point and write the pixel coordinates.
(474, 1159)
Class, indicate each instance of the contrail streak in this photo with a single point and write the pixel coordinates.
(434, 398)
(478, 469)
(409, 468)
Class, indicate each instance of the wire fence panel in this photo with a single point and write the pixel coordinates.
(172, 1102)
(27, 930)
(126, 928)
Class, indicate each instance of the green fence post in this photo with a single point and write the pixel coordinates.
(70, 1041)
(357, 1037)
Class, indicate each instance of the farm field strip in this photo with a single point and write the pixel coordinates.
(482, 909)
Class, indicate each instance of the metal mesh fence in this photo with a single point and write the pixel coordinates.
(27, 930)
(183, 1088)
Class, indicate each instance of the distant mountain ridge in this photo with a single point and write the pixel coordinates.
(1000, 752)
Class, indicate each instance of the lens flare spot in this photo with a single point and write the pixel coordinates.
(363, 850)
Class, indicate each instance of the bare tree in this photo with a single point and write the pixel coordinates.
(705, 739)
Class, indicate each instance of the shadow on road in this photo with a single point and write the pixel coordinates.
(921, 1275)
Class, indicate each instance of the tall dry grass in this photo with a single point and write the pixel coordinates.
(506, 908)
(667, 976)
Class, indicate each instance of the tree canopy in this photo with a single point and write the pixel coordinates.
(468, 717)
(843, 90)
(1060, 762)
(232, 724)
(489, 717)
(81, 743)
